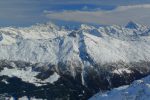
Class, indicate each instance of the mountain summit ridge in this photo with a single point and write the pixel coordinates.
(35, 40)
(133, 25)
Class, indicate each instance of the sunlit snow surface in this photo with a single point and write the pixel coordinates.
(121, 70)
(138, 90)
(53, 44)
(28, 76)
(24, 98)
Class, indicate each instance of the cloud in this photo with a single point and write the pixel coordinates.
(132, 7)
(27, 12)
(120, 15)
(20, 12)
(98, 2)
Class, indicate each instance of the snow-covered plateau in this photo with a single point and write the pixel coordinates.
(44, 60)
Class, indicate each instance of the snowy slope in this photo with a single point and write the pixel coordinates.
(138, 90)
(98, 57)
(48, 43)
(87, 46)
(28, 76)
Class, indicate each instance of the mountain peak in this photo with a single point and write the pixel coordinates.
(133, 25)
(45, 26)
(86, 27)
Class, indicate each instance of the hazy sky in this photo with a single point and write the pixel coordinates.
(28, 12)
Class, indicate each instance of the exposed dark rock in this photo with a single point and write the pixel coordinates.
(97, 78)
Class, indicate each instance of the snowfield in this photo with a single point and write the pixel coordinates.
(138, 90)
(28, 76)
(50, 43)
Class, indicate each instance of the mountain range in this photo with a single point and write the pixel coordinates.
(46, 59)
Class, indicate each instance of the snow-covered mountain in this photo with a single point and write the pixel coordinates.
(138, 90)
(95, 58)
(49, 43)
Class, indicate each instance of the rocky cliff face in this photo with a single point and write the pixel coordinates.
(90, 58)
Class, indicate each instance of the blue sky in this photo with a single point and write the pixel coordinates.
(28, 12)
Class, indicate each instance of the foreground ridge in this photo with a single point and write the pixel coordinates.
(139, 89)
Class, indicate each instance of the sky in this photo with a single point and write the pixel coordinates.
(98, 12)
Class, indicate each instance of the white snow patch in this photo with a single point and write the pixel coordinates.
(53, 78)
(26, 98)
(28, 76)
(5, 81)
(122, 70)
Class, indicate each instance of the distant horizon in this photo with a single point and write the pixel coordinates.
(70, 24)
(97, 12)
